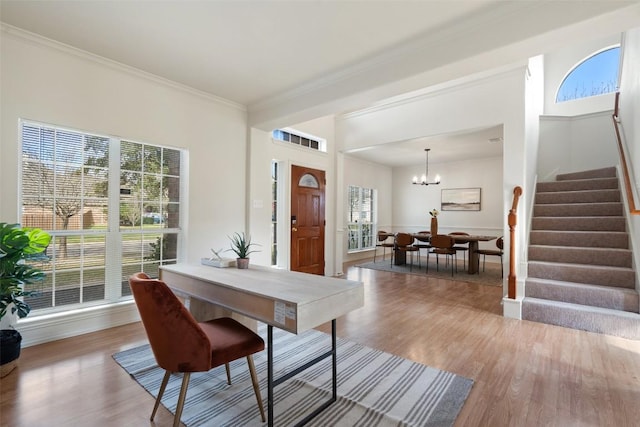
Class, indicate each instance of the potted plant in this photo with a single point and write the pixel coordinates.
(241, 244)
(17, 244)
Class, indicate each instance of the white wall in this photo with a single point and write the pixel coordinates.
(50, 83)
(630, 123)
(559, 62)
(630, 98)
(572, 144)
(263, 149)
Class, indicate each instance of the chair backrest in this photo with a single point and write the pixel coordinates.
(177, 341)
(382, 236)
(404, 239)
(442, 241)
(500, 243)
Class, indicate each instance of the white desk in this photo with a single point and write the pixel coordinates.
(285, 299)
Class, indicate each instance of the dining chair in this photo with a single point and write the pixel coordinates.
(404, 243)
(181, 344)
(424, 239)
(461, 246)
(495, 252)
(383, 243)
(442, 244)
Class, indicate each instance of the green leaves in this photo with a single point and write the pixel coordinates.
(241, 245)
(16, 245)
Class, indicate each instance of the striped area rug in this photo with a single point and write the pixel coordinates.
(374, 388)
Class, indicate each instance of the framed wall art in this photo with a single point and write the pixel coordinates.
(460, 199)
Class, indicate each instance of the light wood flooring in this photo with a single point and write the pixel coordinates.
(525, 374)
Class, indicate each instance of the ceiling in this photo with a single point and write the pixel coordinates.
(259, 53)
(452, 147)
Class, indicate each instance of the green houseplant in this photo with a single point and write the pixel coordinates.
(241, 244)
(17, 244)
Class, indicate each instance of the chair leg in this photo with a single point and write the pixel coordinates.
(256, 387)
(453, 263)
(427, 260)
(163, 386)
(181, 397)
(226, 367)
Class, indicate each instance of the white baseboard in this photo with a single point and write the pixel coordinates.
(42, 329)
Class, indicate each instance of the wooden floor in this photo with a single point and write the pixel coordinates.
(525, 374)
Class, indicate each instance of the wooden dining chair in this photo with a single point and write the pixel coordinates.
(494, 252)
(443, 245)
(384, 243)
(404, 243)
(181, 344)
(423, 241)
(461, 246)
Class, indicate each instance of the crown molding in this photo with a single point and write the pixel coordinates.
(36, 39)
(437, 90)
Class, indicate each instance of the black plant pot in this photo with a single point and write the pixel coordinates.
(10, 341)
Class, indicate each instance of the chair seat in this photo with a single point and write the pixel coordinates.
(443, 251)
(230, 340)
(489, 252)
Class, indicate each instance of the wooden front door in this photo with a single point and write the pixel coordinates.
(307, 220)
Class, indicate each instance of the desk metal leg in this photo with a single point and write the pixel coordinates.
(271, 383)
(270, 375)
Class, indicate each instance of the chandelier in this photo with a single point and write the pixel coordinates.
(423, 179)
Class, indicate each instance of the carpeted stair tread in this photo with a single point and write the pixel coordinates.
(607, 172)
(578, 209)
(578, 184)
(582, 255)
(581, 223)
(580, 266)
(584, 294)
(587, 318)
(581, 196)
(582, 273)
(603, 239)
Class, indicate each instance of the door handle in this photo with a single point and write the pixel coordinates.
(294, 229)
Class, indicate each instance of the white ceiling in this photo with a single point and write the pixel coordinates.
(258, 53)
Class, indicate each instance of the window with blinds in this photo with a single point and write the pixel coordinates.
(361, 221)
(111, 206)
(300, 139)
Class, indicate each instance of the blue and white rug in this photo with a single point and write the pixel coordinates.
(374, 388)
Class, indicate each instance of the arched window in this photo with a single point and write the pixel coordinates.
(595, 75)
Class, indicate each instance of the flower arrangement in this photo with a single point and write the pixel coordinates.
(434, 213)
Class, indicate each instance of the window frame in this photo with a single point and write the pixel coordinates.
(109, 234)
(579, 64)
(366, 223)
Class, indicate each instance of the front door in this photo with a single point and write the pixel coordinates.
(307, 220)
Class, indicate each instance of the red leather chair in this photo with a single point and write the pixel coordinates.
(181, 344)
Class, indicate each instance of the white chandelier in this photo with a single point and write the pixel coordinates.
(423, 179)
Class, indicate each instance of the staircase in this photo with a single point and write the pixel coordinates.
(580, 272)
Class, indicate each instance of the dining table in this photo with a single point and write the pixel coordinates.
(472, 239)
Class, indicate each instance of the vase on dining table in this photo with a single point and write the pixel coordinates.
(434, 226)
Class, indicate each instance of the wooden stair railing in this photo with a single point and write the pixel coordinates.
(623, 161)
(511, 293)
